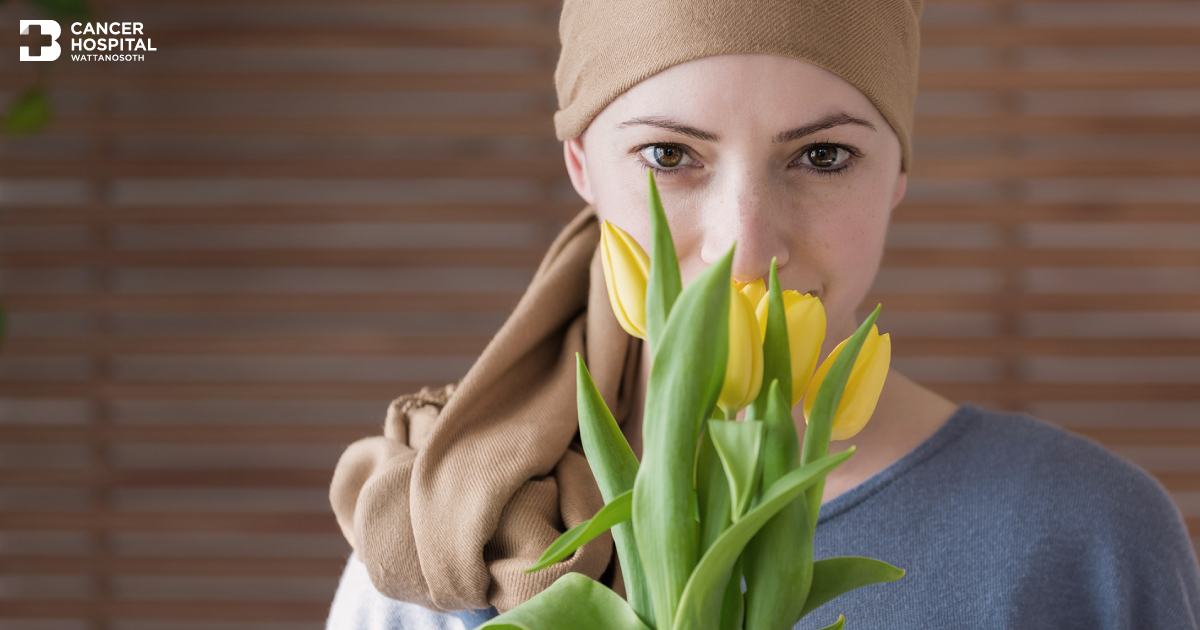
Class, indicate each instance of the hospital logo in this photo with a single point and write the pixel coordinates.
(42, 50)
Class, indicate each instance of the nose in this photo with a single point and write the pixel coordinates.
(745, 209)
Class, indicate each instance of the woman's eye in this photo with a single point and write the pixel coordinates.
(825, 156)
(665, 155)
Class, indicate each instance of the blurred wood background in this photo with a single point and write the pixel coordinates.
(221, 263)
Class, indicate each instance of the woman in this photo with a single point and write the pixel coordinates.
(785, 127)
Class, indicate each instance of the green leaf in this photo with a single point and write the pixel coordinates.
(616, 511)
(837, 625)
(686, 374)
(699, 608)
(835, 576)
(28, 113)
(738, 444)
(573, 601)
(777, 361)
(778, 561)
(712, 493)
(664, 284)
(733, 608)
(615, 467)
(65, 10)
(820, 421)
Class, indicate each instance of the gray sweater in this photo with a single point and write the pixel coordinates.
(1001, 520)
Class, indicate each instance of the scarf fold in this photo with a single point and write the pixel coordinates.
(471, 482)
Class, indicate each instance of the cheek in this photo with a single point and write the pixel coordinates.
(843, 244)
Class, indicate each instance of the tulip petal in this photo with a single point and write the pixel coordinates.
(743, 369)
(625, 269)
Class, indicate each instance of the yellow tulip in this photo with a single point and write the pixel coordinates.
(862, 389)
(626, 273)
(744, 368)
(805, 317)
(755, 291)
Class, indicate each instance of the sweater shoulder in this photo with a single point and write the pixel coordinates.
(1068, 473)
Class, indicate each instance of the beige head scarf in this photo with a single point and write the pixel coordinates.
(609, 46)
(471, 482)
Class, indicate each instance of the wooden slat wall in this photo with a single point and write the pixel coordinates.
(222, 263)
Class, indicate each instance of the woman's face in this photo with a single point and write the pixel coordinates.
(775, 153)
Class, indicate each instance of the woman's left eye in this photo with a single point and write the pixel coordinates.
(826, 157)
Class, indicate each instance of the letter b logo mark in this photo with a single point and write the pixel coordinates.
(44, 52)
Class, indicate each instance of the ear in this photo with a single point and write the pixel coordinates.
(901, 187)
(576, 161)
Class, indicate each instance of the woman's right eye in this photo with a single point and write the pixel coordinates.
(666, 156)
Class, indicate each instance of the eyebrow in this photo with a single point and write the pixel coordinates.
(827, 122)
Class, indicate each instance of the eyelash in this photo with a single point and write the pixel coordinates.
(820, 172)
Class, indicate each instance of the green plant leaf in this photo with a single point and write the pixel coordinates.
(778, 561)
(65, 10)
(738, 444)
(699, 608)
(616, 511)
(733, 608)
(712, 493)
(665, 283)
(837, 625)
(777, 353)
(573, 601)
(28, 113)
(686, 374)
(835, 576)
(615, 467)
(820, 420)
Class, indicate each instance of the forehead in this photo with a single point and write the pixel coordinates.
(750, 88)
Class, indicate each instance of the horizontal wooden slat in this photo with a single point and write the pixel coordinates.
(232, 389)
(221, 610)
(1143, 436)
(268, 303)
(504, 302)
(309, 257)
(346, 345)
(295, 523)
(1132, 436)
(464, 126)
(543, 81)
(312, 82)
(1004, 81)
(272, 214)
(1032, 392)
(529, 258)
(171, 477)
(1023, 125)
(1179, 481)
(307, 477)
(1040, 346)
(1040, 257)
(541, 126)
(174, 566)
(1075, 392)
(1018, 213)
(348, 168)
(203, 434)
(1000, 35)
(356, 345)
(552, 167)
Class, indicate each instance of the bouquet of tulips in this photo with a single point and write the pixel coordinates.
(714, 501)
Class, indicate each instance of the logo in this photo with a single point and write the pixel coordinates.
(42, 51)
